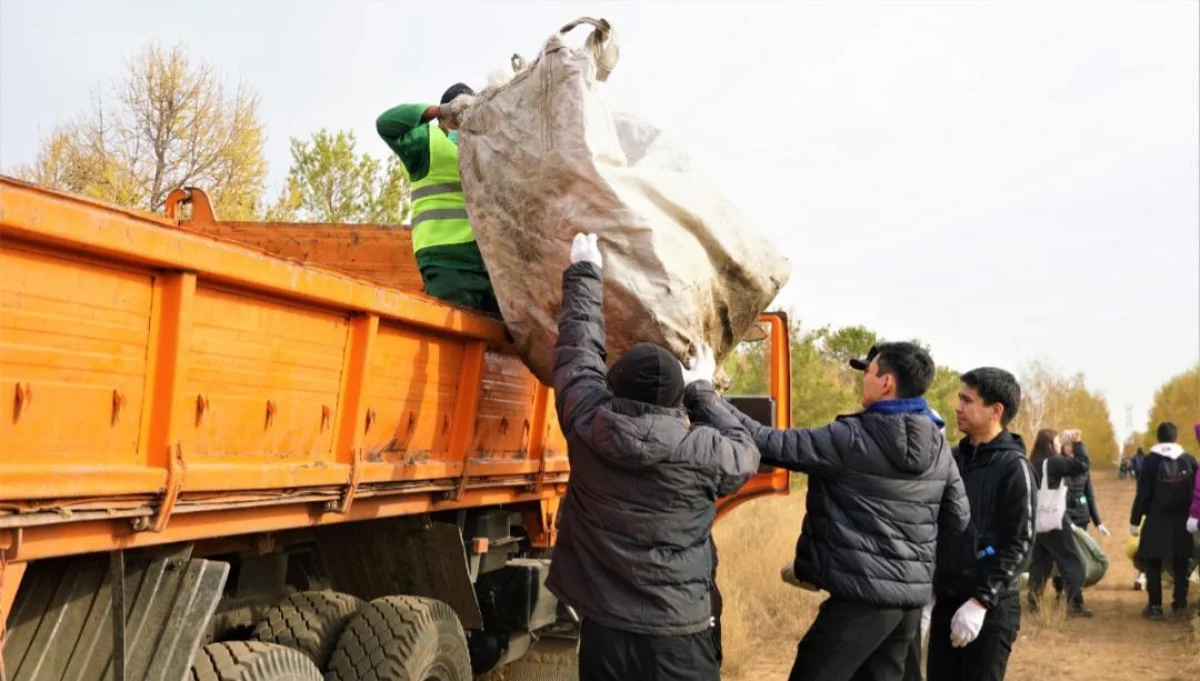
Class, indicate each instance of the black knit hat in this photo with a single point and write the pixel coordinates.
(648, 373)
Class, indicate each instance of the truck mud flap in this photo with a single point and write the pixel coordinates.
(401, 557)
(62, 626)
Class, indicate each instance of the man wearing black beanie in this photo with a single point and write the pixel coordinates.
(634, 554)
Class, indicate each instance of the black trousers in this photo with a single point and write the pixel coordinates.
(1154, 568)
(610, 655)
(852, 641)
(912, 659)
(985, 658)
(1056, 548)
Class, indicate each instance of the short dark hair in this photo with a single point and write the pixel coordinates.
(1168, 432)
(996, 386)
(909, 364)
(455, 91)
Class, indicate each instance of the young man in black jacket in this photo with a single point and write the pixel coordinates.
(881, 487)
(651, 448)
(978, 610)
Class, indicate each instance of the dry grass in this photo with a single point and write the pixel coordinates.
(764, 618)
(754, 542)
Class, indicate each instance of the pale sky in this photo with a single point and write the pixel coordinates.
(1007, 181)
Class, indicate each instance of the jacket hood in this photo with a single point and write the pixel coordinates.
(1170, 450)
(1006, 441)
(911, 442)
(634, 434)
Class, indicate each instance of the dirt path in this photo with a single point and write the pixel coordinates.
(1117, 645)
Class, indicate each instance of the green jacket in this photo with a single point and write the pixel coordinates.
(404, 131)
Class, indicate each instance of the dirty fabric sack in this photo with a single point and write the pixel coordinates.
(1095, 561)
(543, 157)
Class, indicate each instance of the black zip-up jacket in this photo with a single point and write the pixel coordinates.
(1003, 495)
(634, 549)
(1081, 498)
(882, 489)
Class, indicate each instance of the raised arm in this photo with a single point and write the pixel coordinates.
(817, 452)
(403, 129)
(580, 367)
(729, 447)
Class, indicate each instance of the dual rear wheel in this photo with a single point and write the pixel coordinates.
(396, 638)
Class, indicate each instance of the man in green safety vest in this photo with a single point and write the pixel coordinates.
(451, 265)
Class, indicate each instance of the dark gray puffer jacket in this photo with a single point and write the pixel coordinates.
(633, 549)
(881, 487)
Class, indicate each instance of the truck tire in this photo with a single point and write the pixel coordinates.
(402, 638)
(252, 661)
(310, 621)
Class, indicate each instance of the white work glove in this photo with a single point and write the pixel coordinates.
(1134, 530)
(1103, 530)
(451, 112)
(1193, 525)
(702, 367)
(967, 622)
(586, 249)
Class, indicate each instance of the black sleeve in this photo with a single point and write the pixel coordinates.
(1145, 491)
(1093, 510)
(954, 513)
(817, 451)
(728, 450)
(1015, 499)
(1066, 466)
(580, 371)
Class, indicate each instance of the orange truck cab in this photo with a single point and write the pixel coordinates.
(233, 448)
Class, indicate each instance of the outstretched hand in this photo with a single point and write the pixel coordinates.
(586, 248)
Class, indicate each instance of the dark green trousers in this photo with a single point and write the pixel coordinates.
(458, 275)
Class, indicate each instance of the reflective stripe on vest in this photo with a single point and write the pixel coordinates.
(439, 211)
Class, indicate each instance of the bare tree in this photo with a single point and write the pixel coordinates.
(169, 122)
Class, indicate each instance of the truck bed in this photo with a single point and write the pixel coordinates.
(161, 385)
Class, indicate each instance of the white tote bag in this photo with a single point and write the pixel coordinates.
(1052, 504)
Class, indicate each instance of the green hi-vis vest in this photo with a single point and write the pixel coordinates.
(438, 208)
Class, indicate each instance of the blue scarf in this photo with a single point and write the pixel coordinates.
(909, 405)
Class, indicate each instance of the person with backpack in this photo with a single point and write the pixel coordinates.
(1164, 498)
(1055, 543)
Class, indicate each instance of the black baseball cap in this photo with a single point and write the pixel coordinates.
(862, 364)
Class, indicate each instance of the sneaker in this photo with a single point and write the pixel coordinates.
(1153, 612)
(1080, 612)
(1139, 584)
(1179, 614)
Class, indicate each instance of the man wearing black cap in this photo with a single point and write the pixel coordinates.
(881, 486)
(634, 554)
(448, 257)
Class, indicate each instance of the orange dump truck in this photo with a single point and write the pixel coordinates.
(256, 451)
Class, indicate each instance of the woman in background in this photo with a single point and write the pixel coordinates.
(1056, 547)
